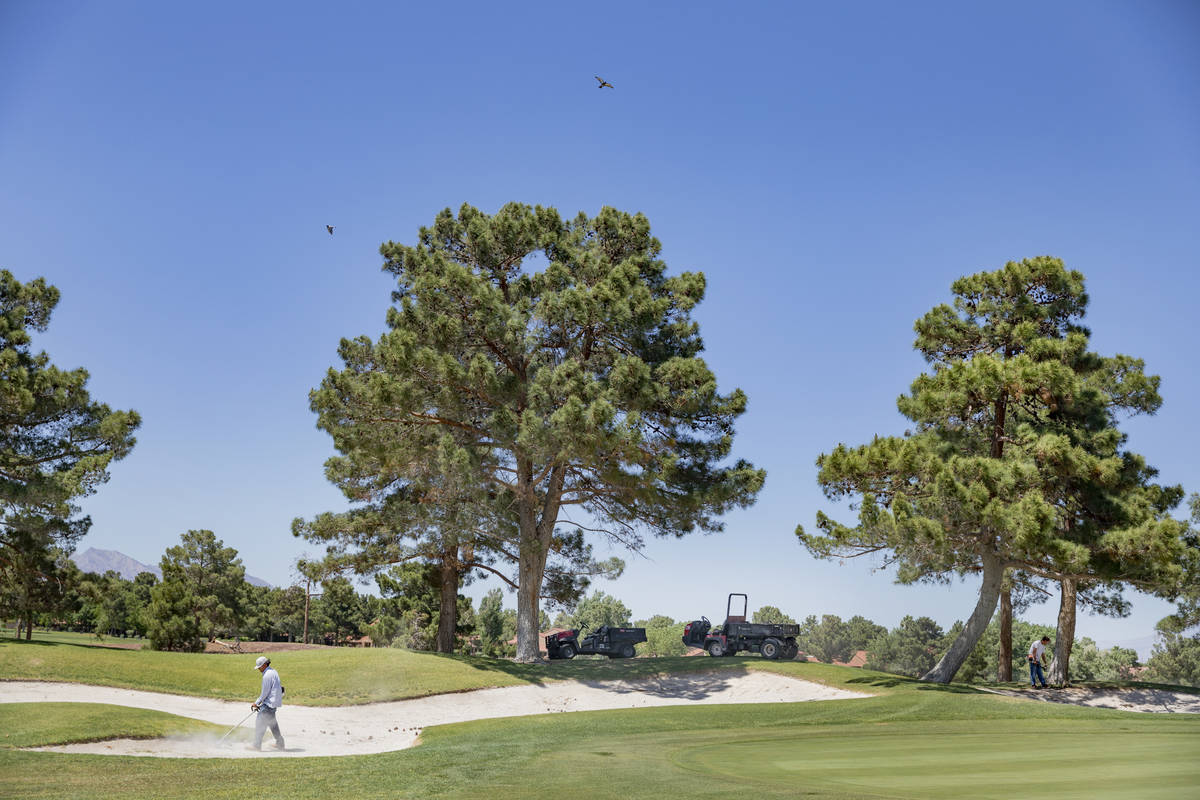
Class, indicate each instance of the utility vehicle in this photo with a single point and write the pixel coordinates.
(606, 641)
(769, 639)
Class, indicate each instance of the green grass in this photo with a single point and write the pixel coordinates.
(912, 740)
(336, 676)
(70, 637)
(40, 724)
(936, 760)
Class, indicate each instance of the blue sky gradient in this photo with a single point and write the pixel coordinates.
(831, 168)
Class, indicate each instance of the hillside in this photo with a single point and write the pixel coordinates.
(101, 561)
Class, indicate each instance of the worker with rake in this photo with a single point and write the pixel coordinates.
(267, 704)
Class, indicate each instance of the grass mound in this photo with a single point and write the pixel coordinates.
(333, 676)
(44, 724)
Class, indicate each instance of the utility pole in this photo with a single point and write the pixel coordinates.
(307, 594)
(310, 572)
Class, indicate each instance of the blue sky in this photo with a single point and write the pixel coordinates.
(831, 168)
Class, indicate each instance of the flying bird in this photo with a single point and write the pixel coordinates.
(603, 83)
(330, 229)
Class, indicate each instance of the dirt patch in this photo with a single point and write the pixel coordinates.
(382, 727)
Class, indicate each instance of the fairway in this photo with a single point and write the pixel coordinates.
(936, 760)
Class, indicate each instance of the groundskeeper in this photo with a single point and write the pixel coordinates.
(267, 704)
(1037, 660)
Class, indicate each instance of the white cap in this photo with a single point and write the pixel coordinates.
(260, 661)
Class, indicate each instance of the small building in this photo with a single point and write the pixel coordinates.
(859, 659)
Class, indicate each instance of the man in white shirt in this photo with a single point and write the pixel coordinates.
(268, 702)
(1037, 660)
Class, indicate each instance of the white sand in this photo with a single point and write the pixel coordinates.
(1160, 701)
(380, 727)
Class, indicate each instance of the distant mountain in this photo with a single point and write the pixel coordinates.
(101, 561)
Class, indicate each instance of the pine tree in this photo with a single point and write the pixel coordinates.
(1014, 461)
(56, 445)
(202, 580)
(579, 386)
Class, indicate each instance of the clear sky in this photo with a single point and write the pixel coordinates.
(830, 167)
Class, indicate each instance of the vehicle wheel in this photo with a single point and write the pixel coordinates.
(790, 650)
(716, 649)
(627, 650)
(567, 651)
(771, 648)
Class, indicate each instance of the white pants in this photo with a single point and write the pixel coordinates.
(265, 720)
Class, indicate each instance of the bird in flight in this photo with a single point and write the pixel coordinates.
(603, 83)
(330, 229)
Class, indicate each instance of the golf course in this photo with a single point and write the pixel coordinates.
(896, 738)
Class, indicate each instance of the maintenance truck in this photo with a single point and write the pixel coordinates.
(606, 641)
(771, 640)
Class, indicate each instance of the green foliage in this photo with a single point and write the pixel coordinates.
(598, 609)
(579, 385)
(342, 607)
(1175, 659)
(664, 637)
(770, 615)
(108, 596)
(861, 631)
(490, 623)
(56, 445)
(201, 593)
(1015, 460)
(1187, 591)
(383, 630)
(285, 611)
(980, 666)
(413, 595)
(910, 649)
(173, 625)
(828, 639)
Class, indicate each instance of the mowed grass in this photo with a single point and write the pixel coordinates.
(40, 724)
(334, 676)
(912, 740)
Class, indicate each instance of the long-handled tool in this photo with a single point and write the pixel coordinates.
(235, 727)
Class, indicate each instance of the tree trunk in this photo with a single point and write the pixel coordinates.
(989, 594)
(531, 570)
(537, 532)
(29, 627)
(1004, 654)
(448, 608)
(1065, 636)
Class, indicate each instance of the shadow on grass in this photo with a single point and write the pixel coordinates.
(692, 686)
(894, 681)
(53, 643)
(601, 670)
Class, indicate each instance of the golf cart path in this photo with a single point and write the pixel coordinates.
(382, 727)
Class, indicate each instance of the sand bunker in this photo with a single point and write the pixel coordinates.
(1146, 700)
(381, 727)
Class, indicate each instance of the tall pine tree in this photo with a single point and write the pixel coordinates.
(579, 386)
(56, 445)
(1014, 459)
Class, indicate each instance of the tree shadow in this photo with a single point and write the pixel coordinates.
(893, 681)
(688, 686)
(43, 643)
(600, 670)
